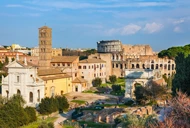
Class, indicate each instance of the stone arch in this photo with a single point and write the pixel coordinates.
(133, 66)
(137, 66)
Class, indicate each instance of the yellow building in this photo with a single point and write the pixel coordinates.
(56, 82)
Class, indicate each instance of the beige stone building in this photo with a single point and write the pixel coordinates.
(68, 64)
(134, 57)
(90, 69)
(55, 51)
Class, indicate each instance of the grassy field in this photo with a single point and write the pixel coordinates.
(79, 101)
(39, 121)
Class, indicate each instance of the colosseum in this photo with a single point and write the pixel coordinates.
(119, 57)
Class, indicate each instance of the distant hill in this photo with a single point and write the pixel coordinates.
(173, 51)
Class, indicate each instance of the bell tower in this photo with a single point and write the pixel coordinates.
(45, 47)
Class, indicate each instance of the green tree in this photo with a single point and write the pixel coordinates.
(140, 94)
(116, 88)
(12, 113)
(62, 102)
(12, 59)
(6, 60)
(31, 114)
(113, 79)
(181, 79)
(97, 82)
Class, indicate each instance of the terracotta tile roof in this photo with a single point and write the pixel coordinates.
(56, 59)
(92, 60)
(45, 78)
(79, 80)
(44, 72)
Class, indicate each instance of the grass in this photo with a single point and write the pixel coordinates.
(79, 101)
(39, 121)
(111, 105)
(95, 125)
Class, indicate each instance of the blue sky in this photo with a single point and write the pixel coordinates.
(81, 23)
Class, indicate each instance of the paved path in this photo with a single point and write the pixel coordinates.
(62, 117)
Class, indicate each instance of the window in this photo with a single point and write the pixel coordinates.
(75, 74)
(62, 92)
(38, 96)
(58, 64)
(68, 64)
(116, 65)
(30, 97)
(84, 67)
(82, 76)
(89, 67)
(53, 64)
(79, 67)
(18, 79)
(63, 64)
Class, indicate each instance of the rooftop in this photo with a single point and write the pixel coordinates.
(93, 60)
(56, 59)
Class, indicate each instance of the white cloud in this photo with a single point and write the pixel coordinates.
(179, 21)
(130, 29)
(177, 29)
(153, 27)
(126, 30)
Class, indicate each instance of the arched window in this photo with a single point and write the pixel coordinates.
(161, 65)
(61, 92)
(30, 97)
(133, 66)
(152, 66)
(18, 92)
(156, 66)
(143, 66)
(169, 67)
(173, 68)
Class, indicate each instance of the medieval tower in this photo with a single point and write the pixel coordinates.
(45, 47)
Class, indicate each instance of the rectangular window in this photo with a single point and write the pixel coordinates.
(82, 76)
(79, 67)
(68, 64)
(18, 79)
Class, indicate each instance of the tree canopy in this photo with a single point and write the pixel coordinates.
(181, 81)
(173, 51)
(113, 79)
